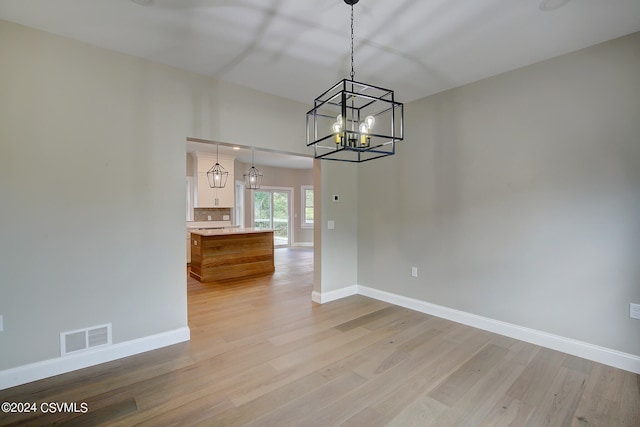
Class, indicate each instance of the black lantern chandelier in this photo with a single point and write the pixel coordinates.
(217, 175)
(253, 177)
(353, 121)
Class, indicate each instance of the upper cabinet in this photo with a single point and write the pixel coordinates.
(207, 197)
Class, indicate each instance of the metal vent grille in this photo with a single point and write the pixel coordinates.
(85, 339)
(75, 341)
(98, 336)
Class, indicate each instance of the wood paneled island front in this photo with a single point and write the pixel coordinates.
(230, 253)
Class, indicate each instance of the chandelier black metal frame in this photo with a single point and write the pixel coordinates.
(354, 121)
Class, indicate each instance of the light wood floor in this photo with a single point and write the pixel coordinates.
(262, 354)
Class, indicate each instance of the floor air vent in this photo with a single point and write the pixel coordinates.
(85, 339)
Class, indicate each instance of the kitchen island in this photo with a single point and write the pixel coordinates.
(230, 253)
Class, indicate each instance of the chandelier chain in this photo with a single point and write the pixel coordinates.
(353, 73)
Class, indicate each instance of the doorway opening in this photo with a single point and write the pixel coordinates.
(291, 172)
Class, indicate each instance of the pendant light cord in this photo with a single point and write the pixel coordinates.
(353, 73)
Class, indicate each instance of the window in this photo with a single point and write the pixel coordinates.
(307, 206)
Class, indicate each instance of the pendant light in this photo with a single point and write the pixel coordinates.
(354, 121)
(253, 177)
(217, 175)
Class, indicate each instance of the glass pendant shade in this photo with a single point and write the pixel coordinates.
(253, 177)
(217, 175)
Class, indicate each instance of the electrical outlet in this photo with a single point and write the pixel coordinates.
(414, 271)
(634, 311)
(209, 218)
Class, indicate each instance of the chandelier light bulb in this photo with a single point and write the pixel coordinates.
(370, 121)
(337, 128)
(364, 138)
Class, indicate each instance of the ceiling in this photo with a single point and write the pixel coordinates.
(297, 49)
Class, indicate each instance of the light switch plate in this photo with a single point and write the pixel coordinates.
(634, 311)
(1, 325)
(331, 225)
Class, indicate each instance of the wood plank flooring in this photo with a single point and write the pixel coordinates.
(262, 354)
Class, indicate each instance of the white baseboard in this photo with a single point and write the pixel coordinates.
(325, 297)
(316, 297)
(48, 368)
(607, 356)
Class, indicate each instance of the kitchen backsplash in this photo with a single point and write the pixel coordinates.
(217, 214)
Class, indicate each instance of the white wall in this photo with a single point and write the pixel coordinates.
(339, 247)
(92, 168)
(518, 198)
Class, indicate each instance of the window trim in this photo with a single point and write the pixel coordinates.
(303, 204)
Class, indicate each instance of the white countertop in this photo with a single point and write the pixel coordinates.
(227, 231)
